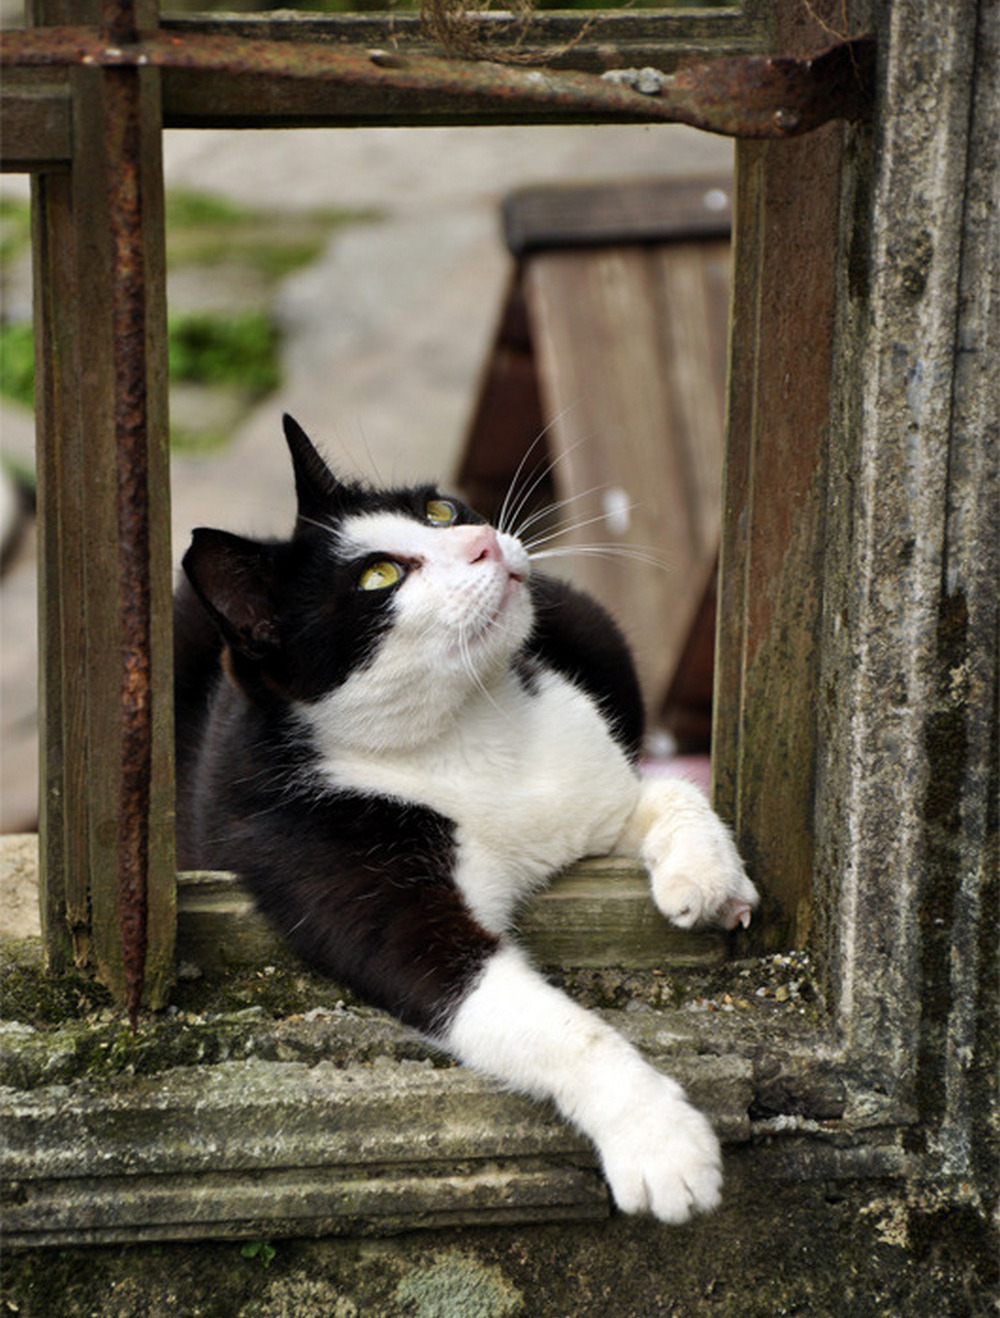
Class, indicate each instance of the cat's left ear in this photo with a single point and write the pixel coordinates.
(236, 580)
(317, 489)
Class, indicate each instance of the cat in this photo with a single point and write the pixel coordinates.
(393, 729)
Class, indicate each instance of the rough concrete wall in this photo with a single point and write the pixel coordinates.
(875, 1251)
(908, 702)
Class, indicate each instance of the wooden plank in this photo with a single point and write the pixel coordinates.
(771, 572)
(643, 211)
(79, 595)
(630, 344)
(36, 124)
(598, 913)
(103, 677)
(507, 420)
(62, 704)
(617, 39)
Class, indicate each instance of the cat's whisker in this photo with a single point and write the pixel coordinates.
(538, 473)
(321, 526)
(514, 511)
(649, 557)
(552, 508)
(560, 531)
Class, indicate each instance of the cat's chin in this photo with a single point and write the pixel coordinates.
(495, 638)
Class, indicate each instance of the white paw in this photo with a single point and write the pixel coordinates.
(702, 881)
(661, 1155)
(696, 872)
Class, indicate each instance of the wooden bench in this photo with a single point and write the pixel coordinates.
(607, 374)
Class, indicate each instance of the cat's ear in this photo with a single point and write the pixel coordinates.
(236, 581)
(316, 487)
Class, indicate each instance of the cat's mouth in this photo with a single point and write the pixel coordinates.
(493, 619)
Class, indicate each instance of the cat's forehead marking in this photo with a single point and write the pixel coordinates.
(390, 533)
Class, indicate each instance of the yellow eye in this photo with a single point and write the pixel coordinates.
(440, 512)
(380, 575)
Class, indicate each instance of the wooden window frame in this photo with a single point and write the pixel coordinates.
(892, 897)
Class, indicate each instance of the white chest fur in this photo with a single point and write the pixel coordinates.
(531, 781)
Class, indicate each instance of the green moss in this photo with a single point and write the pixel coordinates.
(29, 995)
(207, 230)
(774, 1248)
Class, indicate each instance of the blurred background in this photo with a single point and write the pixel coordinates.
(353, 277)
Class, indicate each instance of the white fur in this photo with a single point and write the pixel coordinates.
(695, 870)
(659, 1153)
(532, 780)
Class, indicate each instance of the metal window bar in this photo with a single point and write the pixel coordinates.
(218, 68)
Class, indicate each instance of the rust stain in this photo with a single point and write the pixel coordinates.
(128, 310)
(742, 96)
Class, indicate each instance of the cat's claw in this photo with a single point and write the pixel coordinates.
(696, 872)
(702, 881)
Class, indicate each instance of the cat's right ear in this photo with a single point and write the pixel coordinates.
(236, 580)
(316, 488)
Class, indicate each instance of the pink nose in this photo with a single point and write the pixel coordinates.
(483, 545)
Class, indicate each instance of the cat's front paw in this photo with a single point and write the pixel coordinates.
(702, 881)
(696, 873)
(664, 1157)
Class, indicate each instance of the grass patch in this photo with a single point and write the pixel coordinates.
(240, 350)
(17, 363)
(15, 228)
(205, 230)
(235, 351)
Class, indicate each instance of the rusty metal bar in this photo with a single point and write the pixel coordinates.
(128, 307)
(752, 96)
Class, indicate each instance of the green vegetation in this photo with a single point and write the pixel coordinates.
(17, 363)
(205, 230)
(239, 350)
(234, 352)
(15, 228)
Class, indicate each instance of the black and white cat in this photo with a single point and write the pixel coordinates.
(393, 729)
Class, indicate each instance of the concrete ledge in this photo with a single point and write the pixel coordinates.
(267, 1103)
(268, 1148)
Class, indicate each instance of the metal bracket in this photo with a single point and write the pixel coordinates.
(741, 96)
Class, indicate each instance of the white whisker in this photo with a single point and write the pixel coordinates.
(551, 508)
(513, 506)
(648, 556)
(560, 531)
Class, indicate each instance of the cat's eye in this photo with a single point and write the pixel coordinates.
(380, 575)
(440, 512)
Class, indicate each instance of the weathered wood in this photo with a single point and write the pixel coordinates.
(62, 706)
(37, 134)
(598, 913)
(79, 596)
(657, 210)
(631, 350)
(770, 602)
(908, 871)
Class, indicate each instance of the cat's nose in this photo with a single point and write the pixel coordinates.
(483, 546)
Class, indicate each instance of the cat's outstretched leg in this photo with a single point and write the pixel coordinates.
(660, 1154)
(695, 871)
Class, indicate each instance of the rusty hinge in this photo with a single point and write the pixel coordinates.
(739, 96)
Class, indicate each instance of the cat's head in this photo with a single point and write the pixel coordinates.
(400, 598)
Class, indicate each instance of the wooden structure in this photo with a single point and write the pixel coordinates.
(608, 374)
(84, 109)
(856, 708)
